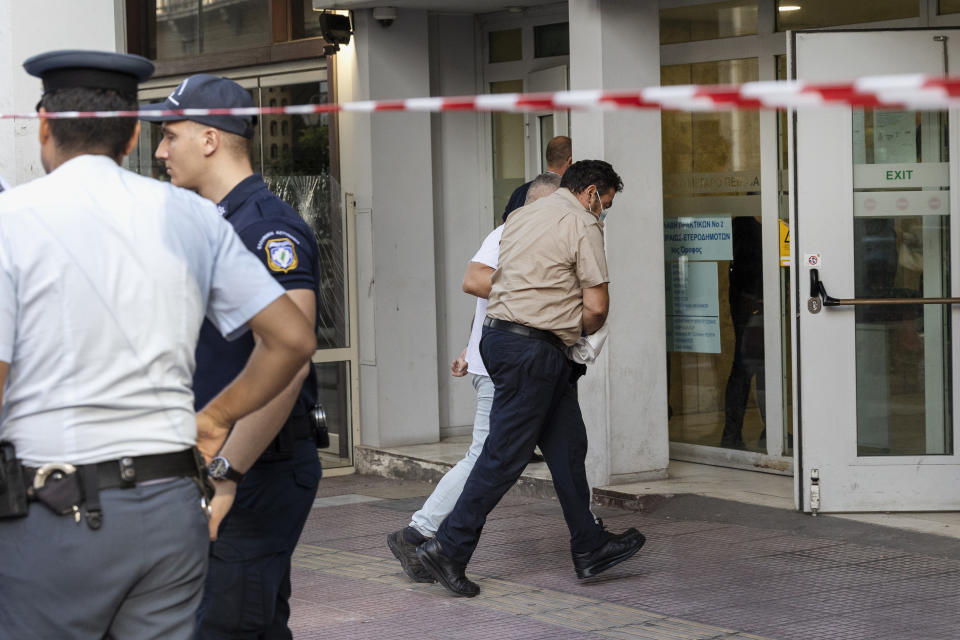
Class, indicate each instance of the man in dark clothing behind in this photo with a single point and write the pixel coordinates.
(559, 155)
(746, 311)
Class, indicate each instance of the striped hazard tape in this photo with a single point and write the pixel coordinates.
(912, 91)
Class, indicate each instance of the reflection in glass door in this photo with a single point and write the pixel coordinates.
(714, 271)
(902, 250)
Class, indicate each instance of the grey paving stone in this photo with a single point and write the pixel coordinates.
(710, 569)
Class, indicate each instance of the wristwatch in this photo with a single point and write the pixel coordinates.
(220, 469)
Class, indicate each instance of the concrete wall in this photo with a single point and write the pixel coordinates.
(422, 183)
(28, 28)
(615, 44)
(461, 215)
(388, 165)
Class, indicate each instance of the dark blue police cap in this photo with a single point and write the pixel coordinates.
(204, 91)
(71, 68)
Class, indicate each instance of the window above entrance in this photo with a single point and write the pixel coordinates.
(708, 21)
(811, 14)
(187, 36)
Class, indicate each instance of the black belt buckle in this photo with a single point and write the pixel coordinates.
(13, 491)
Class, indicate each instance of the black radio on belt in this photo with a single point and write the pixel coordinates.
(312, 425)
(318, 424)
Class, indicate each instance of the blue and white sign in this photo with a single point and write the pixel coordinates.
(693, 307)
(698, 238)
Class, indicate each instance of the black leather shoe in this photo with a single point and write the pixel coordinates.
(446, 571)
(615, 550)
(406, 552)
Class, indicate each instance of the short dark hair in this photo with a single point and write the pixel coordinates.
(100, 135)
(237, 145)
(584, 173)
(558, 150)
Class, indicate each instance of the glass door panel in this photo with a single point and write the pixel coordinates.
(714, 271)
(901, 248)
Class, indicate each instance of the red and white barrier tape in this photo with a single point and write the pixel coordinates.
(913, 92)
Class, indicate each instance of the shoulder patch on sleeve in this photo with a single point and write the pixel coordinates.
(281, 254)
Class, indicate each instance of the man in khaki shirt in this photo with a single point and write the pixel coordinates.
(549, 288)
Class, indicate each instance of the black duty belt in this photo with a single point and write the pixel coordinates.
(299, 427)
(127, 472)
(283, 445)
(64, 487)
(523, 330)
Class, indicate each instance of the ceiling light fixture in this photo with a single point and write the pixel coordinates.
(789, 7)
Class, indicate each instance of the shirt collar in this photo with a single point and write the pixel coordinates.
(240, 194)
(575, 204)
(571, 199)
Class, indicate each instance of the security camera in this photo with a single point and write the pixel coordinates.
(335, 28)
(385, 15)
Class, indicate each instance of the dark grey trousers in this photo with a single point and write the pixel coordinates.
(139, 576)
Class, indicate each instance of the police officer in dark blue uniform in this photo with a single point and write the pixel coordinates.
(248, 584)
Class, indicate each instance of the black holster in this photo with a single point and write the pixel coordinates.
(13, 490)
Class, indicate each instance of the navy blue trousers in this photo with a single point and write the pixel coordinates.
(247, 591)
(534, 403)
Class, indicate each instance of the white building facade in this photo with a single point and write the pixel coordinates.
(714, 355)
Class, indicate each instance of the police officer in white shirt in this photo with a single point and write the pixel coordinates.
(105, 278)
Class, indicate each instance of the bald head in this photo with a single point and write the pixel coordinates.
(559, 154)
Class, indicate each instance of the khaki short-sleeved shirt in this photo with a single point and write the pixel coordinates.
(550, 251)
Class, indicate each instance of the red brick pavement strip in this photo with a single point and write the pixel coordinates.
(692, 580)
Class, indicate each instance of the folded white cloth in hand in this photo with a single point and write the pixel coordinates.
(586, 349)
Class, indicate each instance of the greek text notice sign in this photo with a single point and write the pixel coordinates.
(693, 323)
(698, 238)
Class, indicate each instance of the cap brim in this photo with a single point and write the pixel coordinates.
(159, 106)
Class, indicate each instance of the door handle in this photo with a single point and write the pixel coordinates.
(820, 298)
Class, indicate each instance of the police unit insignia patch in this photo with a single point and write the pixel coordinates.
(281, 255)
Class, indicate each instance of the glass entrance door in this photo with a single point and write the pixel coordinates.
(875, 194)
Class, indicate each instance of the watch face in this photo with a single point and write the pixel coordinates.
(218, 468)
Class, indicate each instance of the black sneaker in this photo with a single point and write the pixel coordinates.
(615, 550)
(404, 545)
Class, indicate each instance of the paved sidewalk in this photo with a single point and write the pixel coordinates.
(711, 568)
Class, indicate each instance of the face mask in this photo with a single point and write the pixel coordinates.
(603, 212)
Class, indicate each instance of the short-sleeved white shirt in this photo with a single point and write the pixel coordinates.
(105, 279)
(488, 254)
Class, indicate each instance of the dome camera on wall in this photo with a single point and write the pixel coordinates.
(385, 15)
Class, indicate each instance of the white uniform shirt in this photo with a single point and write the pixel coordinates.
(488, 254)
(105, 278)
